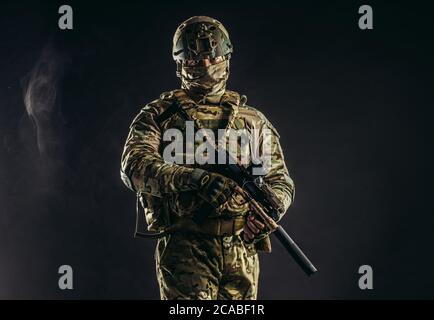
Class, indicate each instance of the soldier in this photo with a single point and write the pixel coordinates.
(215, 258)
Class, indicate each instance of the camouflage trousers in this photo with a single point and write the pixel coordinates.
(205, 267)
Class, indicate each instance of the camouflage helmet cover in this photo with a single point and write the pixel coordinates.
(200, 37)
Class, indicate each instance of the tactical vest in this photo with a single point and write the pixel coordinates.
(176, 210)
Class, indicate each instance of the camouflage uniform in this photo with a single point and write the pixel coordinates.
(201, 266)
(206, 260)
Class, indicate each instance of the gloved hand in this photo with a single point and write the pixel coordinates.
(213, 187)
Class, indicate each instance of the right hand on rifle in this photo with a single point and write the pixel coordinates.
(214, 188)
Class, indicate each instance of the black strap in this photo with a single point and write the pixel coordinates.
(145, 235)
(169, 112)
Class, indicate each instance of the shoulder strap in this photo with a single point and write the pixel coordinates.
(177, 98)
(168, 113)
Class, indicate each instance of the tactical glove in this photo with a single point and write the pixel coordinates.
(213, 187)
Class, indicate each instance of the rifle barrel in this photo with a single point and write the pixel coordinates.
(295, 251)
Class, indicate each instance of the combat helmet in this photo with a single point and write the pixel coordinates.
(201, 37)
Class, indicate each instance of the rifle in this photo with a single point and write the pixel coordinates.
(264, 204)
(261, 197)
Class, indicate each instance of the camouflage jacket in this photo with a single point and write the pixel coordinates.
(165, 188)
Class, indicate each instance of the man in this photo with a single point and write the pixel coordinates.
(215, 257)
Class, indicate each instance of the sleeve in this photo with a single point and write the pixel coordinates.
(143, 169)
(277, 176)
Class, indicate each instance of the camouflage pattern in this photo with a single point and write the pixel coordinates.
(207, 81)
(203, 267)
(201, 262)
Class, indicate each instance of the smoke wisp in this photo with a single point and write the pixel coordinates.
(41, 98)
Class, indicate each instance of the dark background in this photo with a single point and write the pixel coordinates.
(353, 109)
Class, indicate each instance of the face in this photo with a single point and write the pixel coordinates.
(205, 76)
(202, 62)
